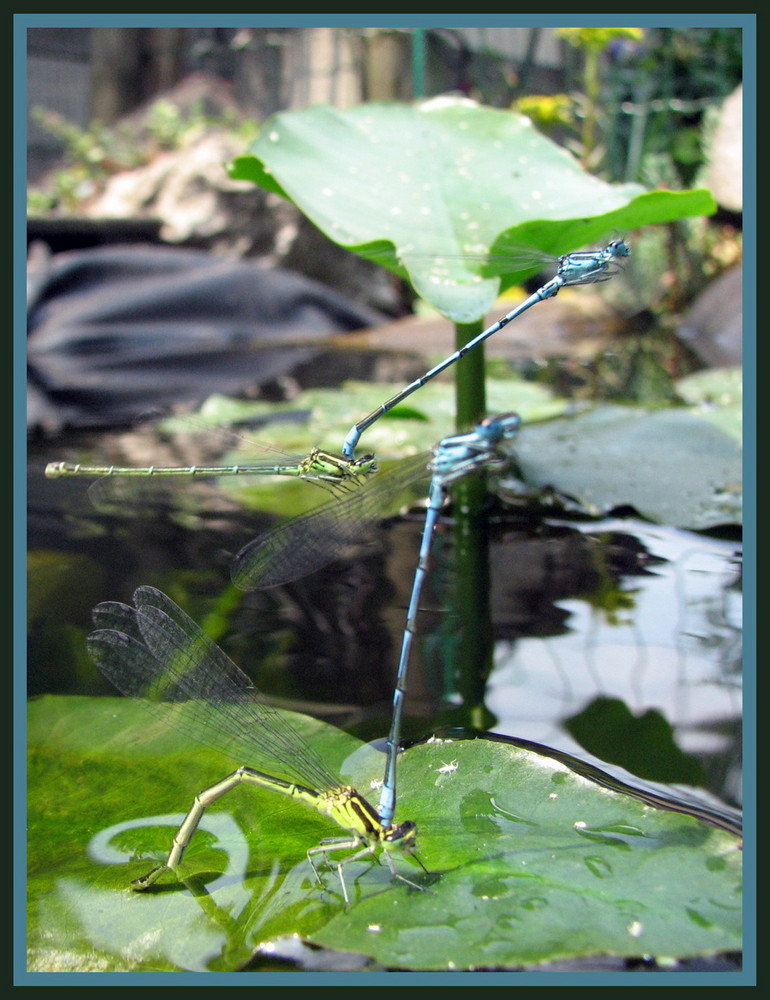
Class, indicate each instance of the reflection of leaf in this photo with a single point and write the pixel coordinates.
(525, 855)
(61, 590)
(446, 178)
(643, 744)
(611, 600)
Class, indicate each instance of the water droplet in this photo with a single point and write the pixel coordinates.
(493, 888)
(507, 923)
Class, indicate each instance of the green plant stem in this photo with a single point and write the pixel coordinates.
(470, 612)
(592, 87)
(469, 616)
(470, 389)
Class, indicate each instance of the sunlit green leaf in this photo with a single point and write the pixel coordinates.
(529, 860)
(447, 178)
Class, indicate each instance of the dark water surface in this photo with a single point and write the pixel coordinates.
(616, 639)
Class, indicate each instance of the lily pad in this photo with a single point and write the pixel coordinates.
(673, 466)
(716, 395)
(529, 860)
(402, 183)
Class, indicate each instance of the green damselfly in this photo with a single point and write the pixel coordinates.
(318, 466)
(155, 652)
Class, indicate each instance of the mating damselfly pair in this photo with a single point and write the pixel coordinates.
(578, 268)
(582, 267)
(155, 652)
(153, 649)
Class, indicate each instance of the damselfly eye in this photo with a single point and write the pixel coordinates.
(620, 247)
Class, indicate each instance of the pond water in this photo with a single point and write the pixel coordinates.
(614, 639)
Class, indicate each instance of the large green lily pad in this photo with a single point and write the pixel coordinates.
(529, 861)
(404, 184)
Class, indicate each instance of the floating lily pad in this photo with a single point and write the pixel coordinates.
(673, 466)
(716, 395)
(529, 860)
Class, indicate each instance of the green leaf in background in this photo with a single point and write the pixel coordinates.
(407, 183)
(716, 395)
(531, 861)
(673, 466)
(678, 466)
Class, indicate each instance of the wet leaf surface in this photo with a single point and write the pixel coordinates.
(529, 861)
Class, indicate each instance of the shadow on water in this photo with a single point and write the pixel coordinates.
(616, 640)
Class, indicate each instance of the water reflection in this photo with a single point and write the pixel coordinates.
(670, 649)
(615, 627)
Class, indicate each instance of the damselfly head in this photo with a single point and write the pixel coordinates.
(404, 835)
(366, 463)
(619, 248)
(504, 425)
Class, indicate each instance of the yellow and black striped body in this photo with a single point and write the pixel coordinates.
(347, 807)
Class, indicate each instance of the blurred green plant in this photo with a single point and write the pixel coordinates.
(547, 111)
(658, 97)
(639, 96)
(592, 42)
